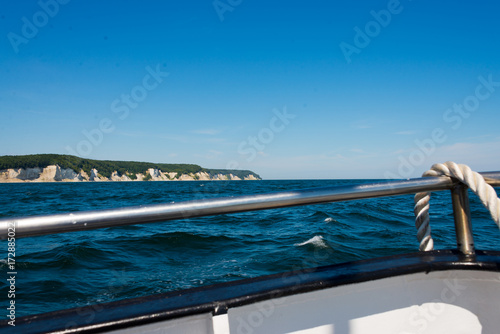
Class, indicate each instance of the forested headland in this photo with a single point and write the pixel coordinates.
(107, 167)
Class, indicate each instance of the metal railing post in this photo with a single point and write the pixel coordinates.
(461, 214)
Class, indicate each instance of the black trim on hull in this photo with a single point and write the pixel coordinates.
(218, 298)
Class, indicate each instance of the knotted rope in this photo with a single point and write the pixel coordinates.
(464, 174)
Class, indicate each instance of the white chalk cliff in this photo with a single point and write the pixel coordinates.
(54, 173)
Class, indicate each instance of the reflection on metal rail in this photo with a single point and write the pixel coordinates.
(80, 221)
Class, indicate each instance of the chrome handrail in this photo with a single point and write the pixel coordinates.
(87, 220)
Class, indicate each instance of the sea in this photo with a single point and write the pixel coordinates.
(84, 268)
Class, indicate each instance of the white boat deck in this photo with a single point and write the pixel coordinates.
(457, 301)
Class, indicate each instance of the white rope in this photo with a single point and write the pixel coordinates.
(465, 175)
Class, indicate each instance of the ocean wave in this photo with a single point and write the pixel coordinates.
(317, 241)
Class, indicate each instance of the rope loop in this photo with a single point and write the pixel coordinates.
(464, 174)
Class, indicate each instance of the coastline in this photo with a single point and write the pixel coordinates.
(55, 173)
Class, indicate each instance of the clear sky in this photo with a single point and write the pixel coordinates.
(288, 89)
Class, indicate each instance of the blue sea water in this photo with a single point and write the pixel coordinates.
(83, 268)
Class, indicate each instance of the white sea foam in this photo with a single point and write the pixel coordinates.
(316, 241)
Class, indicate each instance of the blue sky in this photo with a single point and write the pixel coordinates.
(288, 89)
